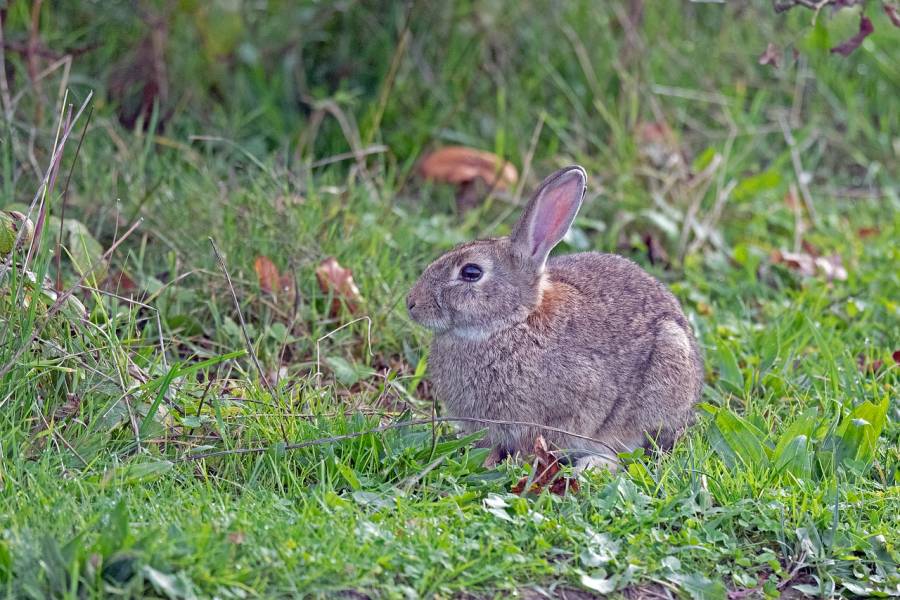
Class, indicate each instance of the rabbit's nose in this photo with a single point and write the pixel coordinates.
(410, 304)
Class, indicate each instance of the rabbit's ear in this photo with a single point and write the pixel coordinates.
(550, 213)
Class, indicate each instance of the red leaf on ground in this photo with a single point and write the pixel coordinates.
(267, 273)
(893, 14)
(338, 281)
(867, 232)
(120, 283)
(847, 47)
(772, 56)
(546, 474)
(896, 356)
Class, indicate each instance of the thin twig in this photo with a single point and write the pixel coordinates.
(366, 318)
(250, 349)
(56, 156)
(65, 197)
(798, 168)
(388, 85)
(48, 190)
(202, 399)
(61, 438)
(4, 84)
(389, 426)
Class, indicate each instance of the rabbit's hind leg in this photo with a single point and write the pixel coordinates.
(671, 386)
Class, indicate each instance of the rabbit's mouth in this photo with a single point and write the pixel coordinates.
(434, 323)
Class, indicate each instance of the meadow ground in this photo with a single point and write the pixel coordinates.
(764, 195)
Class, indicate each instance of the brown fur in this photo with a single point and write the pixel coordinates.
(588, 343)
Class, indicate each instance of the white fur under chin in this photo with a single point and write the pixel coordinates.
(471, 334)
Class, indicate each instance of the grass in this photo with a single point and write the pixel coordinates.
(787, 485)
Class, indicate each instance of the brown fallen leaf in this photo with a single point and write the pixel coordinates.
(772, 56)
(68, 409)
(11, 223)
(847, 47)
(832, 267)
(867, 232)
(546, 474)
(338, 281)
(267, 274)
(658, 144)
(271, 282)
(808, 264)
(118, 282)
(464, 167)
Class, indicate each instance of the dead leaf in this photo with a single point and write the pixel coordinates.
(267, 274)
(809, 264)
(68, 409)
(847, 47)
(11, 223)
(893, 14)
(772, 56)
(286, 201)
(867, 232)
(658, 144)
(546, 474)
(896, 356)
(461, 165)
(118, 282)
(474, 173)
(281, 287)
(338, 281)
(832, 267)
(791, 199)
(796, 261)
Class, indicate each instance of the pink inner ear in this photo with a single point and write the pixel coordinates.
(553, 215)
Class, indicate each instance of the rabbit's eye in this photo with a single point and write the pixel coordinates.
(470, 272)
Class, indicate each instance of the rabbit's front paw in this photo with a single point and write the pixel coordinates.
(595, 461)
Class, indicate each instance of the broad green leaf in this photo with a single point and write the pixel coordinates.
(348, 474)
(603, 585)
(730, 375)
(345, 372)
(805, 424)
(743, 439)
(756, 184)
(795, 457)
(859, 432)
(699, 587)
(138, 472)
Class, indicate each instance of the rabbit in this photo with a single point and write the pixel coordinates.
(587, 350)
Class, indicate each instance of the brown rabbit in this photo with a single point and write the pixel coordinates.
(588, 343)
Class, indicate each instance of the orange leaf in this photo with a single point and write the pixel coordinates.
(460, 165)
(267, 273)
(338, 281)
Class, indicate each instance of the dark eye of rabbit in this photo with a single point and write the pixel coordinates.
(470, 272)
